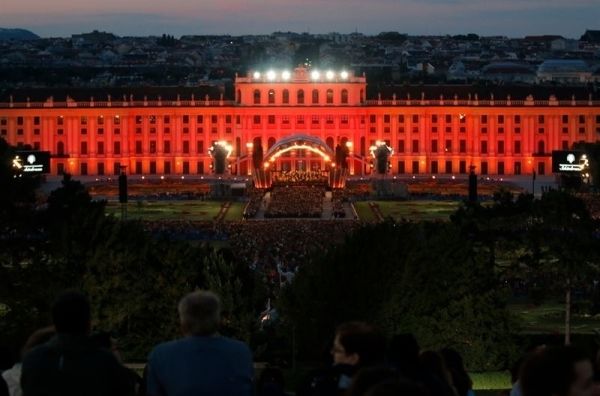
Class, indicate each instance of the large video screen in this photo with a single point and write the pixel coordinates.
(568, 161)
(31, 162)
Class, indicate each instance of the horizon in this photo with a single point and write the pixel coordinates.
(509, 18)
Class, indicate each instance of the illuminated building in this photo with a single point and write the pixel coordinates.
(431, 129)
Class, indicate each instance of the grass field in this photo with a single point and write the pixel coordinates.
(409, 210)
(168, 210)
(549, 318)
(235, 212)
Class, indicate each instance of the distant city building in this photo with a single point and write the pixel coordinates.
(564, 71)
(432, 129)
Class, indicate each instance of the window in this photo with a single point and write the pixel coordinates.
(167, 130)
(138, 167)
(138, 147)
(415, 167)
(565, 119)
(100, 120)
(256, 96)
(300, 96)
(152, 119)
(117, 148)
(167, 167)
(462, 146)
(344, 96)
(344, 119)
(581, 119)
(83, 148)
(83, 120)
(401, 118)
(60, 148)
(517, 167)
(541, 130)
(285, 96)
(462, 167)
(83, 169)
(271, 96)
(565, 130)
(500, 167)
(271, 119)
(400, 146)
(517, 119)
(565, 145)
(401, 168)
(256, 119)
(19, 120)
(500, 119)
(386, 118)
(117, 120)
(186, 147)
(329, 96)
(448, 129)
(117, 131)
(285, 119)
(448, 146)
(300, 120)
(100, 131)
(100, 148)
(415, 118)
(167, 147)
(315, 119)
(60, 120)
(152, 146)
(484, 119)
(517, 130)
(153, 130)
(84, 131)
(500, 146)
(101, 168)
(541, 119)
(448, 118)
(541, 147)
(153, 167)
(434, 146)
(214, 119)
(36, 120)
(484, 167)
(186, 167)
(167, 119)
(315, 96)
(517, 149)
(200, 147)
(434, 167)
(36, 131)
(329, 119)
(199, 119)
(484, 148)
(448, 166)
(372, 118)
(500, 129)
(3, 121)
(415, 146)
(434, 119)
(138, 119)
(582, 130)
(484, 130)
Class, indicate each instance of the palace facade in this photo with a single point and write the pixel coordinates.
(442, 129)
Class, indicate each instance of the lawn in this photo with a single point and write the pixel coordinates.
(409, 210)
(549, 318)
(168, 210)
(235, 212)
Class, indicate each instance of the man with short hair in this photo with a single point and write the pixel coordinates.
(70, 364)
(557, 371)
(203, 362)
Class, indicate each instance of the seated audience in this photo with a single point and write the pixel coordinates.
(203, 362)
(70, 364)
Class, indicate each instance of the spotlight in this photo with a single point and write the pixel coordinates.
(256, 75)
(315, 75)
(344, 74)
(330, 75)
(270, 75)
(286, 75)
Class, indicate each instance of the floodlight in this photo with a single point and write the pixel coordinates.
(315, 75)
(330, 75)
(256, 75)
(286, 75)
(344, 74)
(271, 75)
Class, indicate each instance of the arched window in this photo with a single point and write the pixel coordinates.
(60, 148)
(300, 96)
(238, 97)
(344, 96)
(315, 96)
(541, 147)
(286, 96)
(256, 96)
(330, 96)
(271, 142)
(329, 142)
(271, 96)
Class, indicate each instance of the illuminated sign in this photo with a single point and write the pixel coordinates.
(31, 162)
(568, 161)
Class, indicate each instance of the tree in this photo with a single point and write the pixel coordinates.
(423, 278)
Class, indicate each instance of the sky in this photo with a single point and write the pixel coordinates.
(512, 18)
